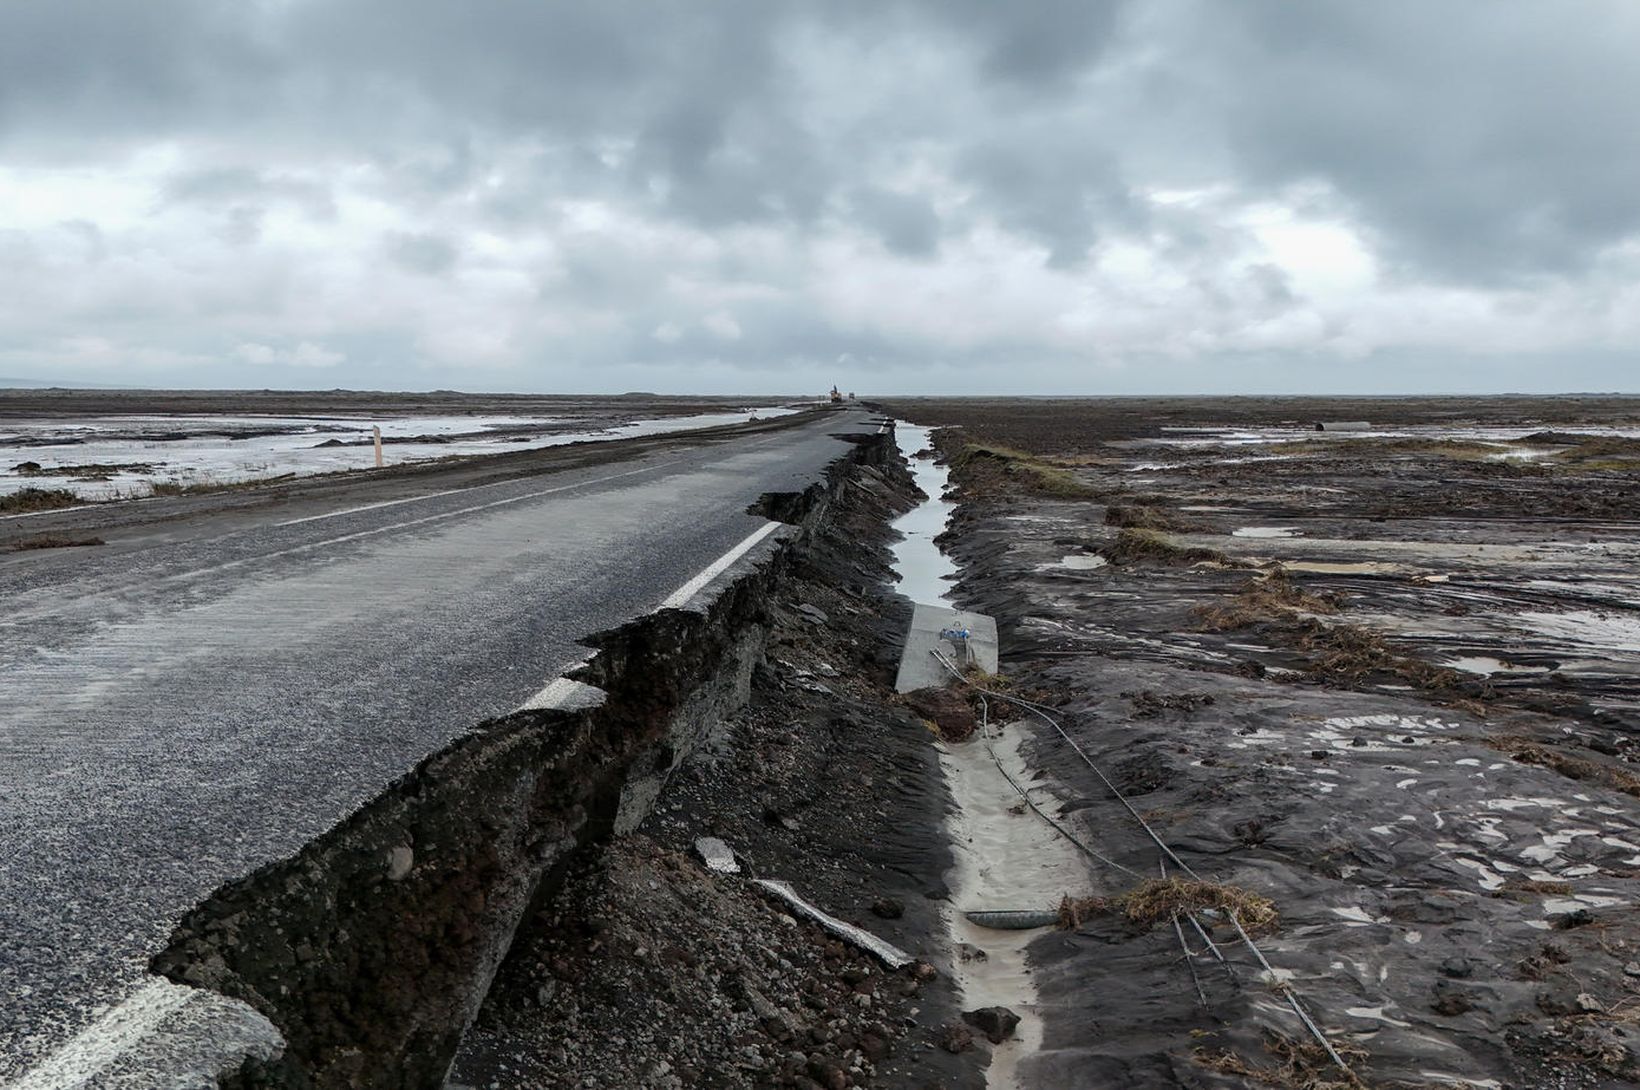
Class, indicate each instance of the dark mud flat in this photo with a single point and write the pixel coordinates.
(647, 970)
(1388, 682)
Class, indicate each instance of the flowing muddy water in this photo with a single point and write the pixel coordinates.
(1006, 857)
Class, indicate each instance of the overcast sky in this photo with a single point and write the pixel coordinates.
(895, 195)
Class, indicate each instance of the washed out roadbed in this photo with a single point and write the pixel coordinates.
(645, 969)
(1387, 680)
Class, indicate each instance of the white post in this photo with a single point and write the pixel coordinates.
(377, 432)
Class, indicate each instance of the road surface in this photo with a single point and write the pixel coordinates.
(206, 693)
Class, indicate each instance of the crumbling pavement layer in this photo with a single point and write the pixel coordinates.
(1387, 681)
(647, 969)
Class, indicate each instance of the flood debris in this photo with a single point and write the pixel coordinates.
(1161, 899)
(1455, 853)
(645, 968)
(889, 954)
(1012, 919)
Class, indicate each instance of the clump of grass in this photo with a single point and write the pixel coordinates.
(1158, 900)
(976, 676)
(1602, 452)
(1300, 1064)
(1346, 655)
(1573, 768)
(29, 499)
(990, 466)
(1140, 517)
(1074, 910)
(54, 541)
(1272, 597)
(1150, 547)
(202, 488)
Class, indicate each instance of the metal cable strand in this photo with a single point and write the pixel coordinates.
(985, 736)
(1287, 991)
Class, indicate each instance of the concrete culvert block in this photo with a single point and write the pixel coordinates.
(399, 862)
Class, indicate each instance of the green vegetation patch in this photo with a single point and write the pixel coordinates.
(992, 467)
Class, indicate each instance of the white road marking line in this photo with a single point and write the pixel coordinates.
(84, 1056)
(333, 514)
(386, 503)
(563, 692)
(182, 576)
(52, 511)
(566, 694)
(718, 566)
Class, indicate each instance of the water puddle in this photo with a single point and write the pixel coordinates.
(1344, 567)
(1076, 562)
(1266, 531)
(1487, 665)
(1003, 859)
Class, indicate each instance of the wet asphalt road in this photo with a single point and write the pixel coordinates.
(175, 714)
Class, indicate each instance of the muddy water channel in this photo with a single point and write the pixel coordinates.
(925, 572)
(1006, 858)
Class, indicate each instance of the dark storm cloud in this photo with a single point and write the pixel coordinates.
(1481, 142)
(705, 169)
(907, 224)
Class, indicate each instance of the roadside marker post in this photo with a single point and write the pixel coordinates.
(376, 431)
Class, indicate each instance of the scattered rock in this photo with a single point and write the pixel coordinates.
(887, 908)
(1457, 967)
(956, 1037)
(1566, 921)
(997, 1023)
(1452, 999)
(399, 862)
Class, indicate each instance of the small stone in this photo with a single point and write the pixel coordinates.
(887, 908)
(1588, 1004)
(399, 861)
(1459, 968)
(1632, 968)
(997, 1023)
(956, 1037)
(1451, 999)
(1581, 917)
(967, 951)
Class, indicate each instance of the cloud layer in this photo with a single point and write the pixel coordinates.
(901, 195)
